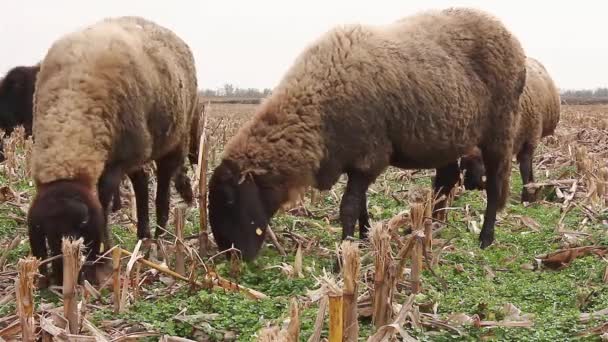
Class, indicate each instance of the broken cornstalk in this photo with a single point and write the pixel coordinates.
(383, 276)
(72, 261)
(203, 151)
(318, 327)
(210, 277)
(417, 212)
(116, 275)
(180, 214)
(24, 285)
(351, 266)
(336, 324)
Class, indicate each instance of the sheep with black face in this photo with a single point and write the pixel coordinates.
(109, 98)
(417, 93)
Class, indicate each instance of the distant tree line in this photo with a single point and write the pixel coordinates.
(229, 90)
(584, 96)
(585, 93)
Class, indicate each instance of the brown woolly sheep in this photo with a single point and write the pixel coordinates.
(417, 93)
(109, 98)
(539, 108)
(16, 101)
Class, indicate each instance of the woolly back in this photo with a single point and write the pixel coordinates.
(541, 90)
(354, 75)
(123, 75)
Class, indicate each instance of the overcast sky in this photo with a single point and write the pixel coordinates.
(251, 43)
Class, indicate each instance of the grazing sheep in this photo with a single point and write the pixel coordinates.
(16, 101)
(539, 113)
(418, 93)
(109, 98)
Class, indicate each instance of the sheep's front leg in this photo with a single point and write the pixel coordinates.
(183, 185)
(497, 190)
(165, 168)
(38, 248)
(353, 202)
(445, 179)
(524, 157)
(139, 180)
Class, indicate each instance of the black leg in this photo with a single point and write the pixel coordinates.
(364, 224)
(524, 157)
(183, 185)
(445, 179)
(353, 201)
(139, 180)
(116, 204)
(108, 184)
(93, 251)
(165, 168)
(497, 183)
(54, 241)
(38, 247)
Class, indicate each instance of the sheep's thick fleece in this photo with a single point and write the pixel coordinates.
(121, 91)
(418, 93)
(539, 106)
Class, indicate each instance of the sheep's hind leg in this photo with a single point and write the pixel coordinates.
(353, 202)
(116, 204)
(445, 179)
(364, 224)
(497, 192)
(524, 157)
(165, 168)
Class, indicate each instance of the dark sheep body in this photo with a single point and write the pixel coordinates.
(16, 100)
(418, 93)
(539, 114)
(117, 109)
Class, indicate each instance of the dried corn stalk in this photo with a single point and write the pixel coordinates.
(24, 285)
(180, 217)
(351, 267)
(203, 152)
(72, 261)
(383, 276)
(418, 212)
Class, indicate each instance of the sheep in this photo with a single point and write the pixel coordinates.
(16, 101)
(108, 99)
(16, 91)
(417, 93)
(539, 108)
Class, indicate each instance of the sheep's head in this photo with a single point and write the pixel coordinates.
(240, 208)
(64, 209)
(474, 171)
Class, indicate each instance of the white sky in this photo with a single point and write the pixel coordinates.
(251, 43)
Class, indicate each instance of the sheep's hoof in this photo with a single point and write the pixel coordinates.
(485, 243)
(527, 196)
